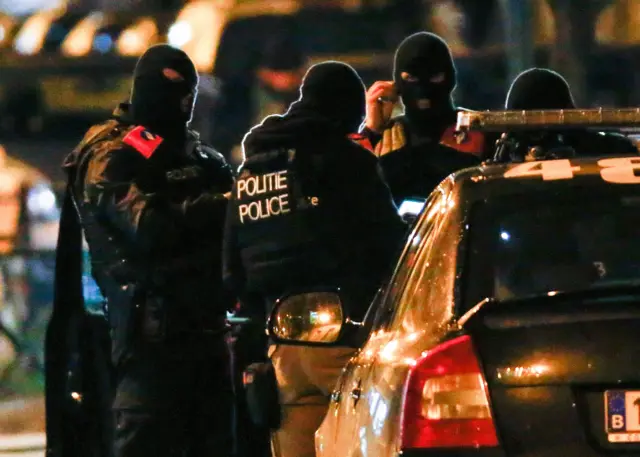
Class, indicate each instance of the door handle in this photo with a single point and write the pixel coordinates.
(356, 393)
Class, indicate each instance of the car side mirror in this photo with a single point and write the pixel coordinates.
(310, 319)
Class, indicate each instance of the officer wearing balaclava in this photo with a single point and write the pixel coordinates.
(150, 198)
(424, 77)
(164, 91)
(545, 89)
(279, 75)
(419, 148)
(309, 210)
(539, 89)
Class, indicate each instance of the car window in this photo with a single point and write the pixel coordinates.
(547, 243)
(370, 318)
(415, 243)
(427, 298)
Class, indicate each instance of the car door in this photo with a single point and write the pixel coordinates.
(337, 428)
(360, 402)
(422, 312)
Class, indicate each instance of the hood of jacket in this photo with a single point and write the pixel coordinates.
(297, 128)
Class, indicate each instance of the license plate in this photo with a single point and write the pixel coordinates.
(622, 416)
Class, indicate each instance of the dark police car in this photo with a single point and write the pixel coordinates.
(510, 326)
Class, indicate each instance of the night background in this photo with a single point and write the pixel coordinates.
(66, 64)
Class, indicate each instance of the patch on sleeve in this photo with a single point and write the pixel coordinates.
(361, 140)
(143, 141)
(472, 142)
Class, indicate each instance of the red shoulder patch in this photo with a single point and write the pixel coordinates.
(361, 140)
(143, 141)
(472, 143)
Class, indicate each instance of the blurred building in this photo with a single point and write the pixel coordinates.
(76, 60)
(125, 5)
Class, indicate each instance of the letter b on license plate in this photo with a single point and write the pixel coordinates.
(622, 416)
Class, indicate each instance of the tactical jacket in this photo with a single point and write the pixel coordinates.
(152, 211)
(397, 136)
(309, 208)
(414, 167)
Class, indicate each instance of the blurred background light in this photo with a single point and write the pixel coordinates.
(103, 43)
(80, 40)
(180, 34)
(21, 7)
(137, 38)
(31, 36)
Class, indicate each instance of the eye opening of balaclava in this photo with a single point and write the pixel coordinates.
(164, 89)
(425, 76)
(335, 91)
(539, 89)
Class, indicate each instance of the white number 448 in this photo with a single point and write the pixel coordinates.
(615, 170)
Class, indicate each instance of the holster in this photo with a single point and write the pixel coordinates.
(261, 390)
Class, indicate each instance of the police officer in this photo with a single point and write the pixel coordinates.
(544, 89)
(310, 209)
(151, 201)
(419, 148)
(279, 75)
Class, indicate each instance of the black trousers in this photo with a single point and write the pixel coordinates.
(175, 398)
(249, 345)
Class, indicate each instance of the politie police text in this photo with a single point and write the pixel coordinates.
(263, 186)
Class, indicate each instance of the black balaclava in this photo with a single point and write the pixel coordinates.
(539, 89)
(427, 58)
(282, 57)
(164, 90)
(334, 91)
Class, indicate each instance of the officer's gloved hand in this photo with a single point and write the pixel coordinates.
(152, 180)
(507, 149)
(216, 173)
(218, 179)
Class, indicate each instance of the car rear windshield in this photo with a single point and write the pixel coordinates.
(525, 247)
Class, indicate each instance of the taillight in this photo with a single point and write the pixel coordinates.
(446, 402)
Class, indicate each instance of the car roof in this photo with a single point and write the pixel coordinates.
(489, 181)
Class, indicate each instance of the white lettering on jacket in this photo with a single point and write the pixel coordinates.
(263, 187)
